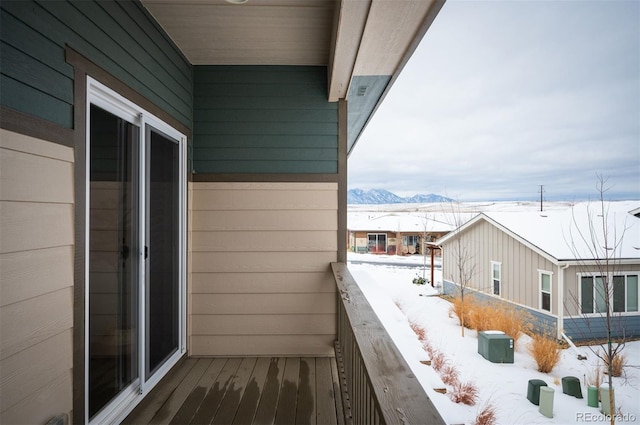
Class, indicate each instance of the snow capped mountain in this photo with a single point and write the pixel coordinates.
(381, 196)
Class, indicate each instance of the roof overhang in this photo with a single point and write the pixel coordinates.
(363, 43)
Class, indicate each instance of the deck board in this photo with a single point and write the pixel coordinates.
(286, 410)
(266, 413)
(251, 390)
(249, 403)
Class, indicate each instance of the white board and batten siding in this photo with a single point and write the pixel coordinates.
(36, 279)
(260, 277)
(519, 265)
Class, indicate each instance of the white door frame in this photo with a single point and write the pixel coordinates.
(100, 95)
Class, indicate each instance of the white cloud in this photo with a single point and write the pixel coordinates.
(503, 96)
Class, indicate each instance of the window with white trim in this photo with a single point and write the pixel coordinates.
(496, 277)
(623, 295)
(545, 290)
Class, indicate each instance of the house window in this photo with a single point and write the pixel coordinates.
(377, 242)
(545, 290)
(496, 278)
(625, 293)
(410, 240)
(623, 296)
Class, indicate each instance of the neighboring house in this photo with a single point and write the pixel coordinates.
(548, 264)
(174, 179)
(394, 233)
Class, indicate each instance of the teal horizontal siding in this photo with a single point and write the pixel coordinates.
(120, 37)
(265, 167)
(299, 128)
(257, 141)
(267, 154)
(24, 98)
(264, 119)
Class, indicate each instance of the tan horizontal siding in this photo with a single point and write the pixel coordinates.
(27, 177)
(30, 322)
(31, 225)
(264, 196)
(266, 345)
(262, 262)
(25, 371)
(27, 274)
(26, 144)
(273, 241)
(36, 278)
(263, 324)
(259, 268)
(263, 304)
(264, 220)
(262, 283)
(51, 399)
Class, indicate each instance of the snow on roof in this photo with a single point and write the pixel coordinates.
(577, 232)
(398, 222)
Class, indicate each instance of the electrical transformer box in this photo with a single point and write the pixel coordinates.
(495, 346)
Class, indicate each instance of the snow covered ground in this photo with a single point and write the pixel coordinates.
(387, 283)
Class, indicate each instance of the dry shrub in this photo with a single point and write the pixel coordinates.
(482, 317)
(617, 364)
(512, 322)
(594, 378)
(545, 351)
(465, 393)
(449, 375)
(420, 332)
(438, 360)
(459, 309)
(487, 416)
(426, 346)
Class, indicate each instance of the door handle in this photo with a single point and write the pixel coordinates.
(146, 252)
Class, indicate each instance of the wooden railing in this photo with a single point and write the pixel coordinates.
(378, 385)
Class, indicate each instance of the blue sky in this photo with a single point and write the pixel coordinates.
(504, 96)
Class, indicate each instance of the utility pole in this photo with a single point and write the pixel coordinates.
(541, 192)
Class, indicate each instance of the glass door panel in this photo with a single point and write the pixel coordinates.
(163, 236)
(113, 276)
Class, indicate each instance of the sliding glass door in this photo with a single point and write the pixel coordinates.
(135, 311)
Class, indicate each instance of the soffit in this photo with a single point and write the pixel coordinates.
(258, 32)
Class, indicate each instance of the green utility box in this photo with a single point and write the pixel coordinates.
(571, 386)
(495, 346)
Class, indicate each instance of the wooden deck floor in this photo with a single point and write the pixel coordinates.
(251, 390)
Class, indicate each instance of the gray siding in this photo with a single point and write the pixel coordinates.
(120, 37)
(264, 119)
(592, 328)
(520, 265)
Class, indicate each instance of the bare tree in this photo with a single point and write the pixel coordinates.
(462, 255)
(597, 248)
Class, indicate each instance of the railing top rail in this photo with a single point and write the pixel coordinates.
(401, 398)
